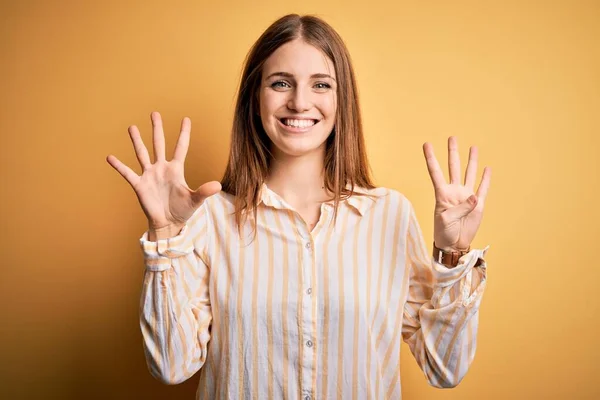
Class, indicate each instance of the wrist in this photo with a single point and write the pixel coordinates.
(448, 256)
(451, 249)
(165, 232)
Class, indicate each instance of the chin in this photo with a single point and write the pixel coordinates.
(297, 151)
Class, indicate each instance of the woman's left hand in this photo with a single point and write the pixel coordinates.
(456, 220)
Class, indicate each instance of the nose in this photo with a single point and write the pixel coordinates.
(299, 100)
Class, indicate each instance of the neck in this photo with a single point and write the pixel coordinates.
(298, 180)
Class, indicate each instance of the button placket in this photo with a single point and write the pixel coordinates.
(308, 306)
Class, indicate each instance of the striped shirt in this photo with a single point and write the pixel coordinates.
(301, 314)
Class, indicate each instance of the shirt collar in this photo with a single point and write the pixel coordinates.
(359, 203)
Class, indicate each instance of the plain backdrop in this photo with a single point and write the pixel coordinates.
(518, 79)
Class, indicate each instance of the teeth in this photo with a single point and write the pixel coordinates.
(299, 123)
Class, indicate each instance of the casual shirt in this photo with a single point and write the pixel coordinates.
(295, 313)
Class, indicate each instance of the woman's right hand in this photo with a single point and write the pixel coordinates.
(161, 190)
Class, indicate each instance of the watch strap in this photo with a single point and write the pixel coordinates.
(449, 258)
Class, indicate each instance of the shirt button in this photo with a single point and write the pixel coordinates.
(309, 343)
(308, 245)
(309, 291)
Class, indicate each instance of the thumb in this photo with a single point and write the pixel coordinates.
(463, 209)
(205, 191)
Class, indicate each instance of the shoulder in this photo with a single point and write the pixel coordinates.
(382, 200)
(382, 195)
(213, 207)
(219, 202)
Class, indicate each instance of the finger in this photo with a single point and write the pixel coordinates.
(435, 172)
(158, 137)
(141, 152)
(183, 143)
(453, 160)
(127, 173)
(471, 168)
(484, 185)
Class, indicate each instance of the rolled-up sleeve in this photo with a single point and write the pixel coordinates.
(175, 311)
(442, 309)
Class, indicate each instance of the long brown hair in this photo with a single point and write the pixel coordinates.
(345, 161)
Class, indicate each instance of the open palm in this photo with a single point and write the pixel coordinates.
(456, 219)
(162, 191)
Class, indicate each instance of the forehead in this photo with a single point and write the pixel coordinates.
(300, 59)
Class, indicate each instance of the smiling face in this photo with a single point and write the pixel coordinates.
(298, 99)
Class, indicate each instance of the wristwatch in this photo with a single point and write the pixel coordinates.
(450, 258)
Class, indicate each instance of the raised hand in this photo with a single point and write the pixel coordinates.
(456, 218)
(162, 191)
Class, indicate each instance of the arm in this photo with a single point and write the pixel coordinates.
(441, 311)
(175, 312)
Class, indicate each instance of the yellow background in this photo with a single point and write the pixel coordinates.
(519, 79)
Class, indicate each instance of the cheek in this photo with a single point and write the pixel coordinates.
(269, 103)
(328, 106)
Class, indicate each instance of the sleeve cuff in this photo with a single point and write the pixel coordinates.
(158, 254)
(445, 276)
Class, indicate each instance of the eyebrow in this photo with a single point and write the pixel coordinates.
(288, 75)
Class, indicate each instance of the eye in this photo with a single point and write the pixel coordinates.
(279, 85)
(323, 85)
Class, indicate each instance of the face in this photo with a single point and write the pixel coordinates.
(298, 99)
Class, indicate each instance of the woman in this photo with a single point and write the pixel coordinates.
(295, 277)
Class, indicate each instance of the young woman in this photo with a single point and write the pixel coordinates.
(295, 277)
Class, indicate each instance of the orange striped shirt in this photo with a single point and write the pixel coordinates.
(301, 314)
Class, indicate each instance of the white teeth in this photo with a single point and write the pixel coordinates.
(298, 123)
